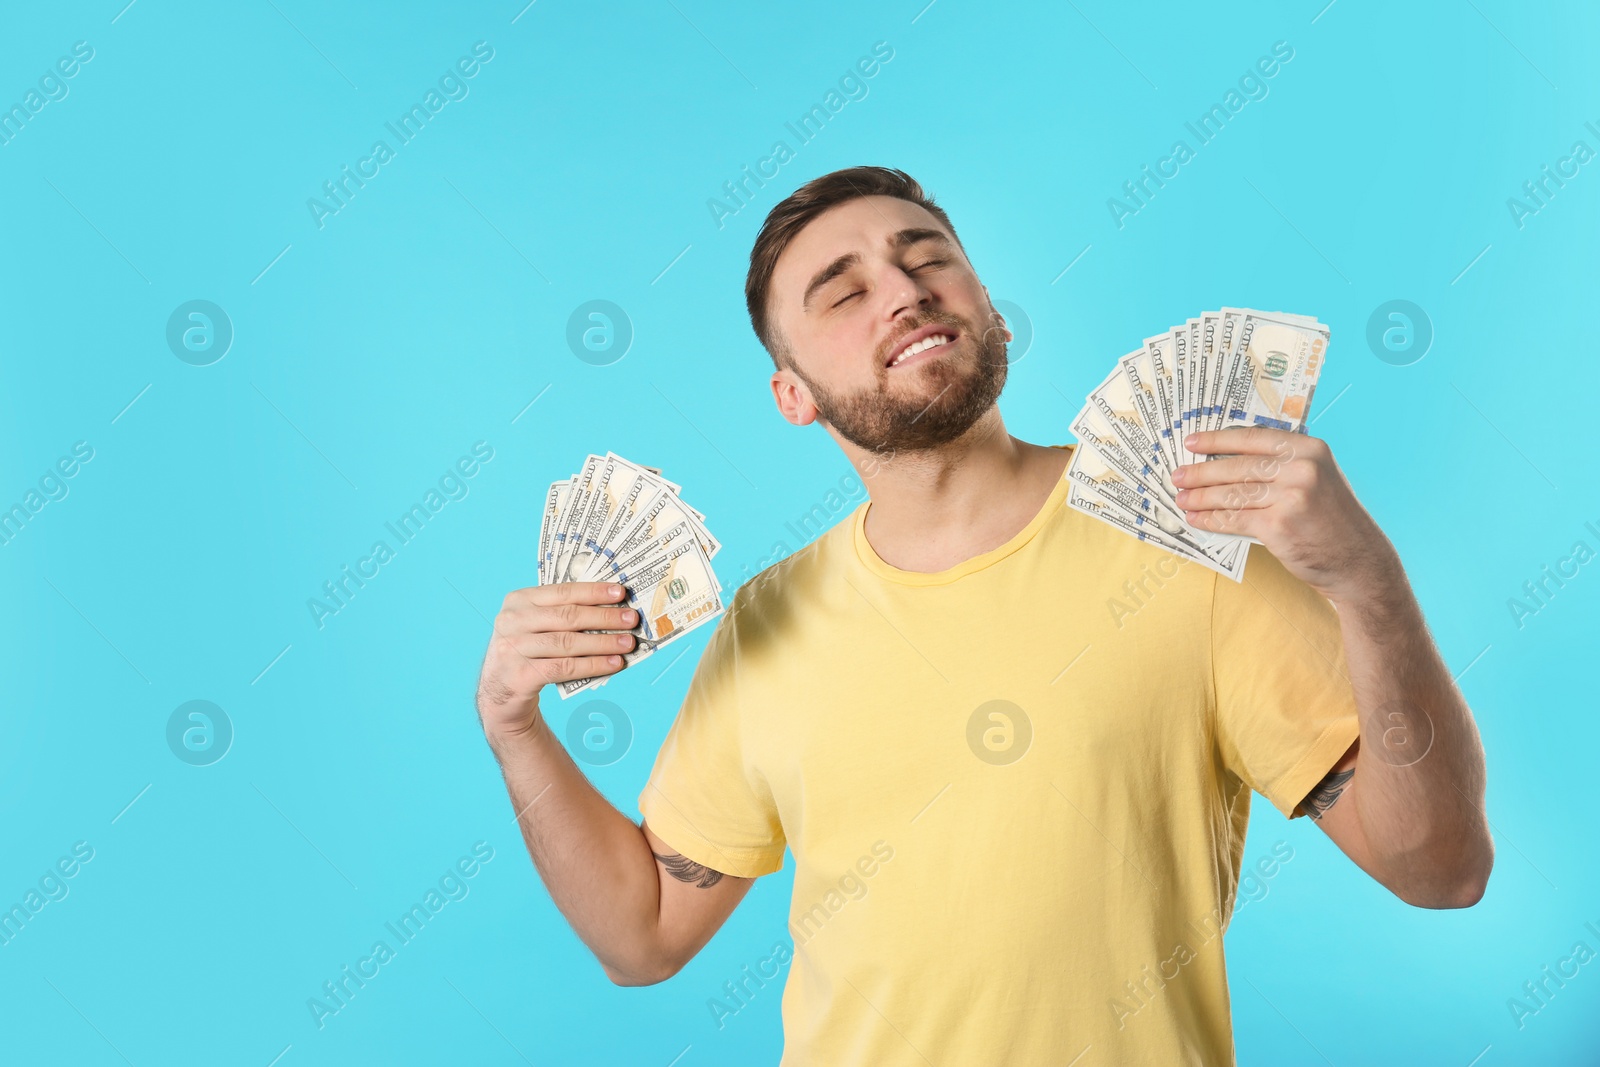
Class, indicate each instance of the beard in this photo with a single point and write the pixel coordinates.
(940, 400)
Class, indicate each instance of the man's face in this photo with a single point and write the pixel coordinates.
(848, 292)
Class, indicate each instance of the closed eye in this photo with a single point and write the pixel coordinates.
(919, 266)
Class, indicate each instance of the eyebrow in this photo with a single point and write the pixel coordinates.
(899, 239)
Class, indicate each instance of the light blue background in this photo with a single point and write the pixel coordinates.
(428, 313)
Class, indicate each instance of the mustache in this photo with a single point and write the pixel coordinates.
(956, 322)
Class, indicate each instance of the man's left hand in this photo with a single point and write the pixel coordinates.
(1285, 490)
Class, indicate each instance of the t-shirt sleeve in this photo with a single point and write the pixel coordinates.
(1285, 708)
(704, 797)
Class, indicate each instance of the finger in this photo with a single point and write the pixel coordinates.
(563, 643)
(1256, 440)
(573, 593)
(1233, 496)
(571, 617)
(1240, 468)
(551, 651)
(1241, 521)
(571, 668)
(568, 643)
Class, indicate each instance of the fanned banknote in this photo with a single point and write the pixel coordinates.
(616, 521)
(1220, 369)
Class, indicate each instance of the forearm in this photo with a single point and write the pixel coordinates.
(594, 860)
(1420, 772)
(1418, 782)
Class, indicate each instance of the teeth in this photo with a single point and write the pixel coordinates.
(922, 346)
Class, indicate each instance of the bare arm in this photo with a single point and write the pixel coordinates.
(1408, 807)
(641, 908)
(1406, 802)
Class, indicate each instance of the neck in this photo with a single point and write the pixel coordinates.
(934, 508)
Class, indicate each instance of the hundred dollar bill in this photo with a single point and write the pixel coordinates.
(599, 501)
(1139, 371)
(676, 488)
(674, 594)
(643, 552)
(594, 511)
(1093, 471)
(1276, 368)
(1118, 401)
(1234, 386)
(592, 495)
(1225, 368)
(1187, 340)
(615, 486)
(1159, 353)
(629, 495)
(1178, 340)
(1230, 370)
(622, 521)
(641, 492)
(1082, 498)
(1128, 406)
(663, 513)
(1095, 435)
(1222, 356)
(576, 507)
(562, 519)
(1174, 350)
(1137, 502)
(555, 499)
(1090, 503)
(1092, 429)
(1204, 354)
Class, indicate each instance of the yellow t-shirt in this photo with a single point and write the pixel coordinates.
(1016, 790)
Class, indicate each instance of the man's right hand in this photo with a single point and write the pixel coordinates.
(539, 638)
(635, 912)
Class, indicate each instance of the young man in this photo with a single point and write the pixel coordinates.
(1010, 748)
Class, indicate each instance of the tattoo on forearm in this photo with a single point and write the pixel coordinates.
(1326, 794)
(685, 869)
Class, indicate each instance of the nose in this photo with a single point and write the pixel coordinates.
(907, 294)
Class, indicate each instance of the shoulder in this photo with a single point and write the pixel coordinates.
(800, 571)
(773, 615)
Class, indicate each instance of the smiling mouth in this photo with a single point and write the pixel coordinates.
(935, 341)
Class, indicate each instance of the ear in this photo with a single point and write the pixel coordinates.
(996, 316)
(793, 398)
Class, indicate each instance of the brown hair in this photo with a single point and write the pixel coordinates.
(791, 216)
